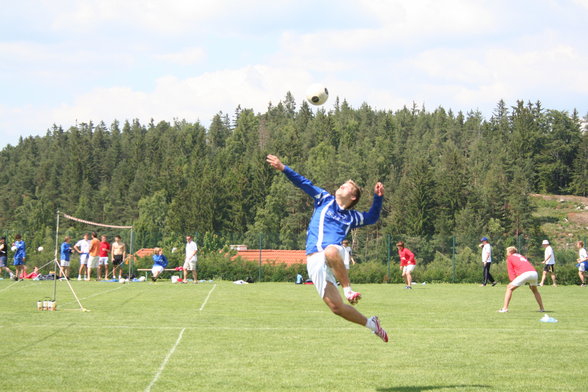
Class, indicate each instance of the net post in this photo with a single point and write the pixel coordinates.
(131, 250)
(55, 255)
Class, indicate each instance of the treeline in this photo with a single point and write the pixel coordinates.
(446, 174)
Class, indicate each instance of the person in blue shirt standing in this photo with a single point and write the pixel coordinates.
(66, 251)
(20, 256)
(331, 221)
(159, 264)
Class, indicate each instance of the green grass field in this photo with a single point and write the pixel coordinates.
(218, 336)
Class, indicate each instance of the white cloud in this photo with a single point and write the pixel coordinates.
(197, 98)
(22, 121)
(582, 3)
(104, 59)
(187, 56)
(424, 18)
(56, 63)
(162, 16)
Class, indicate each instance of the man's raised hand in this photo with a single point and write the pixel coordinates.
(275, 162)
(379, 189)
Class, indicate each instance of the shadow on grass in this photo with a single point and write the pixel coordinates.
(548, 219)
(424, 388)
(34, 343)
(129, 299)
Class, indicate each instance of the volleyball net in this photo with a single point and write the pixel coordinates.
(76, 233)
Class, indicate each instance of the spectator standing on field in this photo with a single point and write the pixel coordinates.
(407, 263)
(332, 219)
(520, 271)
(66, 251)
(94, 255)
(582, 261)
(191, 260)
(20, 257)
(83, 248)
(4, 257)
(487, 261)
(549, 263)
(103, 256)
(348, 254)
(119, 251)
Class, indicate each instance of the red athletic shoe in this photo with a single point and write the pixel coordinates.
(353, 297)
(379, 330)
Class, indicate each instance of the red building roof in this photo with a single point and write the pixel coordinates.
(145, 252)
(270, 256)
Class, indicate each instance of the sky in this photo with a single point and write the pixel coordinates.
(66, 62)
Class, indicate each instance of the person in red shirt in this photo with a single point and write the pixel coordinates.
(407, 263)
(103, 253)
(33, 274)
(520, 271)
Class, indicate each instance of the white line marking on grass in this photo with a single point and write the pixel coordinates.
(95, 294)
(9, 286)
(167, 357)
(22, 284)
(207, 297)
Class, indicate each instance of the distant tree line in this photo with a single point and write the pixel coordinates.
(446, 174)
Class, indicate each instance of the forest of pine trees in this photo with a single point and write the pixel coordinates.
(446, 174)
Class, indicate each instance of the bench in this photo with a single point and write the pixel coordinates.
(148, 270)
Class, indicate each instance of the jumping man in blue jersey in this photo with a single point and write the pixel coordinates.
(331, 221)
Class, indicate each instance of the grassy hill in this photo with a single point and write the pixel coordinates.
(564, 218)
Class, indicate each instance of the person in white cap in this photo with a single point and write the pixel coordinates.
(549, 263)
(487, 261)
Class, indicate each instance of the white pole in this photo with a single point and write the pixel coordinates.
(56, 261)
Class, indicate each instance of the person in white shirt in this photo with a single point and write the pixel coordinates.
(348, 254)
(487, 261)
(191, 259)
(83, 248)
(549, 263)
(582, 261)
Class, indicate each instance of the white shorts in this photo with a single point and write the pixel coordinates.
(408, 268)
(93, 261)
(526, 277)
(582, 267)
(156, 269)
(84, 258)
(319, 272)
(190, 265)
(65, 263)
(103, 261)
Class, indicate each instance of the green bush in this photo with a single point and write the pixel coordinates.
(468, 269)
(369, 272)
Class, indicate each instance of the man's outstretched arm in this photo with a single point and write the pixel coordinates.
(297, 179)
(370, 217)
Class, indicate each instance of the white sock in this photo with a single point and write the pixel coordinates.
(347, 291)
(370, 324)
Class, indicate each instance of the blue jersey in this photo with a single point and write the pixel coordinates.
(21, 250)
(66, 251)
(160, 260)
(330, 223)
